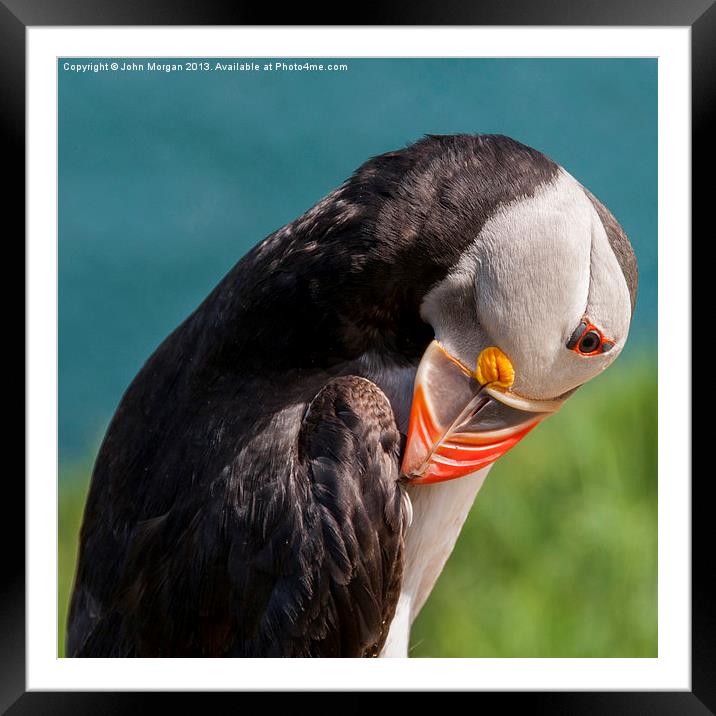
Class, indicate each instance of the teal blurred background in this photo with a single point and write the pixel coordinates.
(167, 179)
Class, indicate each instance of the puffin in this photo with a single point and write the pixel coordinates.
(288, 473)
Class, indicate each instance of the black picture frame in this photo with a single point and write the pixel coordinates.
(17, 15)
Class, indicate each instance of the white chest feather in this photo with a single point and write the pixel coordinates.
(439, 512)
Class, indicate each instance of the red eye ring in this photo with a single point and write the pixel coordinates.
(588, 340)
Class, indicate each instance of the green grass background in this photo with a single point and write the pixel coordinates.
(558, 557)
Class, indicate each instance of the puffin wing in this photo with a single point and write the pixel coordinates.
(349, 449)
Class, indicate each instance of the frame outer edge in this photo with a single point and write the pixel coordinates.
(12, 131)
(392, 12)
(703, 616)
(12, 72)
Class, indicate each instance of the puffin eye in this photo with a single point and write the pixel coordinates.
(589, 342)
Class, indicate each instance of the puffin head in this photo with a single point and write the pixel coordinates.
(538, 303)
(470, 272)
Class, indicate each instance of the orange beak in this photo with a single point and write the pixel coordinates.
(458, 426)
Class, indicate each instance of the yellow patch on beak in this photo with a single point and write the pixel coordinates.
(494, 368)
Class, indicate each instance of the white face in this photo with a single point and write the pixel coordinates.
(536, 269)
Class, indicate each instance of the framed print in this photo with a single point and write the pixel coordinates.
(160, 155)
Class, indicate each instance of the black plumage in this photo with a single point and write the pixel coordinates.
(245, 500)
(303, 560)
